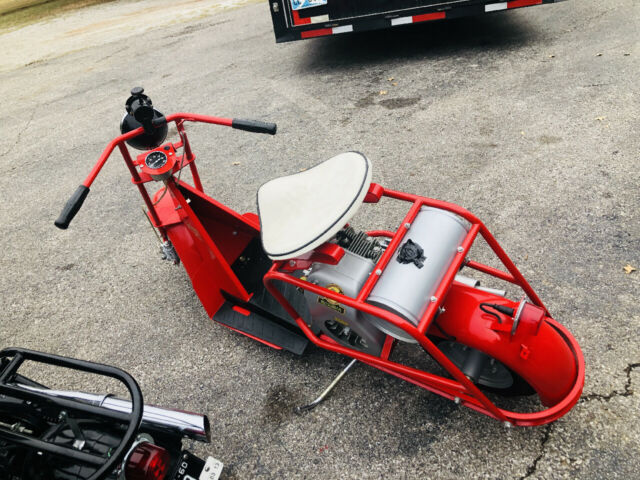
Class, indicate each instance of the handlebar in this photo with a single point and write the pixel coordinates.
(254, 126)
(74, 203)
(71, 208)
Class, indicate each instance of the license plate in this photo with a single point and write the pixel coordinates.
(212, 469)
(191, 467)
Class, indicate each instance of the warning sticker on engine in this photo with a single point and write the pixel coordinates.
(300, 4)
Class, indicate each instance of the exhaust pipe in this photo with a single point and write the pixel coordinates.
(472, 282)
(185, 424)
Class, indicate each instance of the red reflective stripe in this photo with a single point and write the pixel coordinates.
(523, 3)
(430, 16)
(241, 311)
(297, 20)
(316, 33)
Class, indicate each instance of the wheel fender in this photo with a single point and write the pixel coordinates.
(541, 355)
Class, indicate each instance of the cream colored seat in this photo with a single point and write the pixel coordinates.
(302, 211)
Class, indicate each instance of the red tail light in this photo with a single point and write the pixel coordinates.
(147, 462)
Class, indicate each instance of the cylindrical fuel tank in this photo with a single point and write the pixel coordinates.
(417, 268)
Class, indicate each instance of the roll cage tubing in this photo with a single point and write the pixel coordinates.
(461, 388)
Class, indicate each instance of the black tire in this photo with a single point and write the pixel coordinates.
(505, 382)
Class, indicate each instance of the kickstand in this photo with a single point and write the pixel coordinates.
(323, 395)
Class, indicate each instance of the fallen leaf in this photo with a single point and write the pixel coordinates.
(395, 84)
(383, 92)
(628, 269)
(601, 119)
(236, 163)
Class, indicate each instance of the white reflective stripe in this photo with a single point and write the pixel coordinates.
(343, 29)
(320, 19)
(492, 7)
(401, 21)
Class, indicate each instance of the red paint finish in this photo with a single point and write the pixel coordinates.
(389, 343)
(328, 253)
(321, 32)
(550, 367)
(540, 350)
(264, 342)
(429, 16)
(523, 3)
(446, 282)
(388, 253)
(374, 194)
(298, 20)
(380, 233)
(494, 272)
(209, 271)
(241, 311)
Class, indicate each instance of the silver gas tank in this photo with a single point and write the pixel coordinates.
(417, 268)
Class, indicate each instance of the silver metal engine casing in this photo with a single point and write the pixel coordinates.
(348, 275)
(404, 288)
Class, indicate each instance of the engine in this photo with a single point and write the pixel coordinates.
(344, 324)
(404, 288)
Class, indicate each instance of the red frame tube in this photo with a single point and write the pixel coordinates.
(120, 142)
(461, 388)
(494, 272)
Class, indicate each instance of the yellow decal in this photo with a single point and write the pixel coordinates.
(340, 321)
(332, 304)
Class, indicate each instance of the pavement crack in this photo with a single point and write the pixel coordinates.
(595, 85)
(17, 141)
(531, 469)
(628, 391)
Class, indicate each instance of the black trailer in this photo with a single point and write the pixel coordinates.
(299, 19)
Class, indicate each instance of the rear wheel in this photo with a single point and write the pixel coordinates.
(486, 372)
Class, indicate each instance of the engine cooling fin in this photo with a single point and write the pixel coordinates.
(360, 243)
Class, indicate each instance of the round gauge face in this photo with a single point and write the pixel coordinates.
(156, 160)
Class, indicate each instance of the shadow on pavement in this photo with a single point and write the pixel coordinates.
(426, 41)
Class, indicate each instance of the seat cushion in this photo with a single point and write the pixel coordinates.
(301, 211)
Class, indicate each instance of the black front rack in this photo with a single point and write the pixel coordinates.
(12, 385)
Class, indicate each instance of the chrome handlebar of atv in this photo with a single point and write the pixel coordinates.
(131, 419)
(185, 424)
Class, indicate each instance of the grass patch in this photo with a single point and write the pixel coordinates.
(18, 13)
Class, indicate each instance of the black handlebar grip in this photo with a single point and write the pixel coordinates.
(71, 208)
(255, 126)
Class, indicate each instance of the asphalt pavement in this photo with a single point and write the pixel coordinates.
(528, 118)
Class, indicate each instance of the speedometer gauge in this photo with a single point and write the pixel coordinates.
(155, 160)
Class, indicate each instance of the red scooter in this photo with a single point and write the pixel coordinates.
(297, 272)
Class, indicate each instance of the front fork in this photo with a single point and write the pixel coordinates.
(167, 250)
